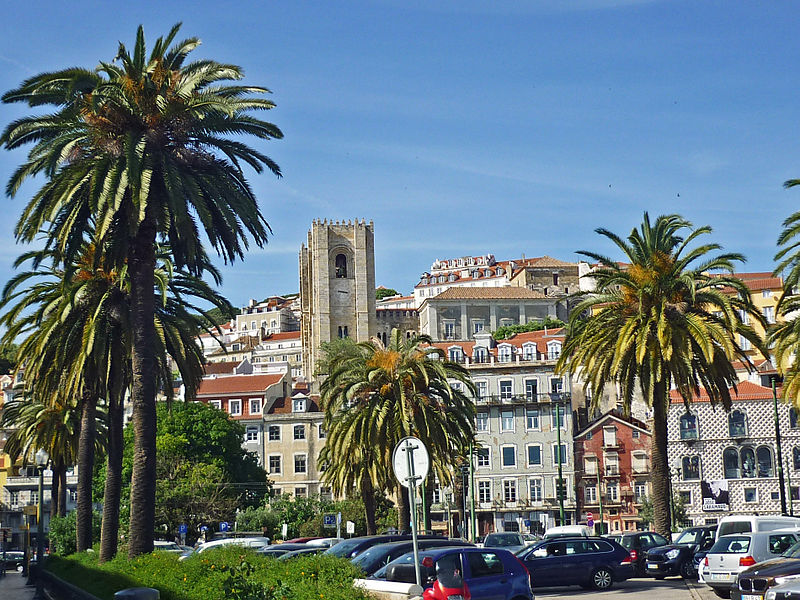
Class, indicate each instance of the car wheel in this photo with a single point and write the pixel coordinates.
(602, 579)
(722, 593)
(687, 570)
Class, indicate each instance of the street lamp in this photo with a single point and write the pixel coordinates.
(41, 458)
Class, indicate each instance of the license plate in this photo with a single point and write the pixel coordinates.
(752, 597)
(720, 577)
(654, 566)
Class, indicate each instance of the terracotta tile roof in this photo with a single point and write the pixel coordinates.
(518, 341)
(284, 335)
(765, 283)
(237, 384)
(493, 293)
(220, 368)
(747, 390)
(283, 406)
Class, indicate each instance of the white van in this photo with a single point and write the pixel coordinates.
(567, 531)
(748, 523)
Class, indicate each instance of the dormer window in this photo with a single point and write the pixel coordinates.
(553, 350)
(481, 355)
(500, 270)
(452, 277)
(299, 405)
(455, 355)
(529, 351)
(504, 353)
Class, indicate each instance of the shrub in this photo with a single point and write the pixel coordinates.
(219, 574)
(62, 533)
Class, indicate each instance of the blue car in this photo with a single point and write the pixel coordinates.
(490, 573)
(588, 562)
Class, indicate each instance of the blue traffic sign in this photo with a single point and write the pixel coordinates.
(224, 526)
(203, 528)
(182, 528)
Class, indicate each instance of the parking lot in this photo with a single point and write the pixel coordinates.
(667, 589)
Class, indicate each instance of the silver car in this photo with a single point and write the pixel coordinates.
(732, 554)
(510, 541)
(786, 591)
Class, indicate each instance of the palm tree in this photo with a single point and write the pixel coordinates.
(377, 394)
(662, 321)
(142, 148)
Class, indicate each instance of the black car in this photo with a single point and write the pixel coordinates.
(637, 543)
(756, 580)
(590, 562)
(354, 546)
(678, 558)
(372, 559)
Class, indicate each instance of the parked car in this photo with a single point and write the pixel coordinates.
(378, 556)
(747, 523)
(354, 546)
(786, 591)
(510, 541)
(302, 552)
(14, 560)
(166, 546)
(277, 550)
(637, 543)
(489, 573)
(249, 542)
(755, 581)
(567, 531)
(588, 562)
(732, 554)
(325, 542)
(677, 558)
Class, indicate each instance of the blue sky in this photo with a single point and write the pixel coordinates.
(464, 127)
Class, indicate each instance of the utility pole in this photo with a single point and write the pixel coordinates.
(561, 487)
(600, 498)
(472, 524)
(781, 482)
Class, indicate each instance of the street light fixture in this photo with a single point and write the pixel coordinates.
(41, 458)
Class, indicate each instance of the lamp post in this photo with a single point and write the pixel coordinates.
(781, 482)
(561, 487)
(41, 458)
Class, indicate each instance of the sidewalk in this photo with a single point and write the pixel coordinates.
(12, 587)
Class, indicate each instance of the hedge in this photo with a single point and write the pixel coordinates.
(228, 573)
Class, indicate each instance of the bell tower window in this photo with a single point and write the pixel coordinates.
(341, 266)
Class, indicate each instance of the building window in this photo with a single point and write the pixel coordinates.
(235, 407)
(560, 454)
(507, 420)
(321, 432)
(504, 353)
(750, 494)
(769, 314)
(510, 490)
(685, 497)
(640, 491)
(299, 405)
(506, 389)
(792, 418)
(590, 465)
(299, 463)
(482, 387)
(531, 389)
(634, 434)
(343, 332)
(300, 492)
(299, 432)
(275, 464)
(251, 434)
(484, 492)
(590, 494)
(559, 413)
(255, 406)
(529, 352)
(764, 458)
(477, 325)
(483, 457)
(449, 330)
(691, 467)
(34, 497)
(730, 461)
(532, 418)
(748, 462)
(340, 265)
(274, 433)
(766, 293)
(553, 350)
(744, 343)
(534, 455)
(536, 490)
(612, 492)
(796, 458)
(509, 454)
(455, 355)
(481, 355)
(482, 422)
(556, 385)
(325, 493)
(737, 424)
(688, 426)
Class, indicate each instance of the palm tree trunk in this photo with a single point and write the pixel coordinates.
(109, 533)
(403, 509)
(141, 267)
(62, 491)
(86, 442)
(660, 464)
(368, 496)
(430, 483)
(55, 483)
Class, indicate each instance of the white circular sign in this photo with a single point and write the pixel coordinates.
(417, 467)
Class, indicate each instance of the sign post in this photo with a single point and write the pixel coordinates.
(183, 529)
(411, 464)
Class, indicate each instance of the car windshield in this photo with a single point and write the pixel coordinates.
(792, 552)
(731, 544)
(371, 556)
(344, 548)
(689, 536)
(502, 539)
(625, 541)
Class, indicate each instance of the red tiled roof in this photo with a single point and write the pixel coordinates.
(220, 368)
(237, 384)
(493, 293)
(283, 406)
(747, 390)
(518, 340)
(284, 335)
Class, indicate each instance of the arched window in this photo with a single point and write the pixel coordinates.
(737, 424)
(455, 354)
(796, 457)
(730, 459)
(341, 266)
(691, 467)
(764, 458)
(480, 355)
(792, 418)
(688, 426)
(504, 353)
(748, 460)
(529, 351)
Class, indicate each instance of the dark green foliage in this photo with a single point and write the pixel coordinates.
(8, 358)
(503, 333)
(62, 533)
(383, 292)
(217, 574)
(218, 316)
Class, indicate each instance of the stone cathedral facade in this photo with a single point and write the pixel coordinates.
(337, 286)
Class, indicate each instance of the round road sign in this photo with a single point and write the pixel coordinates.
(414, 469)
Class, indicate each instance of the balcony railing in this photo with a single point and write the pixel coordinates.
(524, 398)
